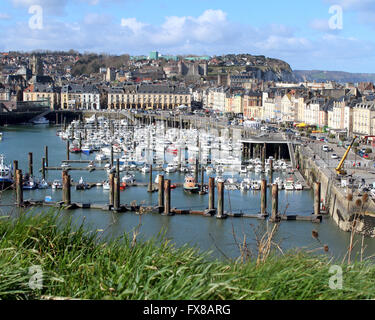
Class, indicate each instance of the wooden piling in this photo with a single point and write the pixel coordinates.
(116, 198)
(275, 203)
(161, 192)
(317, 198)
(150, 183)
(46, 155)
(111, 181)
(111, 156)
(271, 171)
(196, 169)
(263, 198)
(66, 188)
(202, 179)
(19, 188)
(15, 168)
(211, 193)
(30, 164)
(167, 197)
(43, 168)
(67, 150)
(220, 200)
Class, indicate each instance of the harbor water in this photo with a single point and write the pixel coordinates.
(205, 233)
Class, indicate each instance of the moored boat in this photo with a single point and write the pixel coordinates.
(6, 178)
(190, 185)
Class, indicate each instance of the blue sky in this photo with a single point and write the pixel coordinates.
(295, 31)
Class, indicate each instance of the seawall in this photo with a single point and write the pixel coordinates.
(343, 205)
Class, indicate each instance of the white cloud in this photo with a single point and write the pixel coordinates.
(132, 24)
(209, 33)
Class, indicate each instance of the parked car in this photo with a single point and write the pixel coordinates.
(334, 156)
(325, 148)
(313, 137)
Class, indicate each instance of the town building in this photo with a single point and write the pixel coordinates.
(40, 92)
(164, 97)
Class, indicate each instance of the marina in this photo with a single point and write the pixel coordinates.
(138, 153)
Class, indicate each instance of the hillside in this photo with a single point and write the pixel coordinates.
(259, 67)
(338, 76)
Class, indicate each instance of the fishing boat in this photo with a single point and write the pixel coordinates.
(6, 178)
(190, 185)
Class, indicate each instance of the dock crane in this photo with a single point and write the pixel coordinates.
(339, 169)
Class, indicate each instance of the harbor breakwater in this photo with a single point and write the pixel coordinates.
(349, 209)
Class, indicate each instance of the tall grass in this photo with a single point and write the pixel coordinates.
(77, 265)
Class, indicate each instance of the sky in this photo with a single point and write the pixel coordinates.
(335, 35)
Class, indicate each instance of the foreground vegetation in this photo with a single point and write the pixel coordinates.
(77, 264)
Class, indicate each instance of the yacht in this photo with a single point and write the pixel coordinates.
(1, 136)
(171, 168)
(82, 185)
(86, 148)
(30, 185)
(243, 169)
(256, 185)
(56, 184)
(279, 183)
(6, 178)
(65, 165)
(128, 178)
(101, 157)
(106, 186)
(289, 184)
(145, 169)
(43, 184)
(298, 186)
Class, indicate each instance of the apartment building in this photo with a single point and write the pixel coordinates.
(148, 97)
(364, 118)
(81, 97)
(41, 92)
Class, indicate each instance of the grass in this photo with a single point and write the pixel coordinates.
(77, 264)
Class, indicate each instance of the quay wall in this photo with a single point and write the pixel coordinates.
(341, 204)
